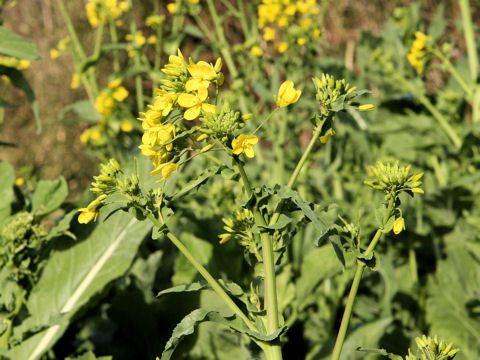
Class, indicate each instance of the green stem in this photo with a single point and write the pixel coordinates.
(89, 81)
(356, 282)
(206, 275)
(271, 304)
(296, 171)
(441, 120)
(436, 114)
(452, 71)
(114, 37)
(469, 39)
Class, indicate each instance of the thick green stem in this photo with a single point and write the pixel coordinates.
(206, 275)
(356, 282)
(271, 304)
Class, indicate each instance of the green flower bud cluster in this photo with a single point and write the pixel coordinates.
(432, 349)
(393, 179)
(239, 227)
(106, 182)
(129, 186)
(223, 121)
(175, 84)
(329, 90)
(19, 240)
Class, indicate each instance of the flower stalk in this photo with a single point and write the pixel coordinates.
(356, 282)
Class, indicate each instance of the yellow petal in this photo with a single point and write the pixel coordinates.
(202, 94)
(210, 108)
(192, 113)
(249, 152)
(187, 100)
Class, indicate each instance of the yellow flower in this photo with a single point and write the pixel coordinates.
(114, 83)
(166, 169)
(23, 64)
(159, 135)
(195, 103)
(398, 226)
(120, 94)
(154, 20)
(176, 65)
(202, 73)
(126, 126)
(287, 94)
(281, 46)
(301, 41)
(139, 38)
(152, 39)
(123, 5)
(92, 14)
(54, 54)
(85, 136)
(75, 83)
(282, 21)
(366, 107)
(172, 8)
(316, 34)
(164, 102)
(268, 34)
(256, 51)
(104, 103)
(244, 144)
(87, 215)
(19, 181)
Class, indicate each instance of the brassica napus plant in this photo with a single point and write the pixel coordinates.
(185, 121)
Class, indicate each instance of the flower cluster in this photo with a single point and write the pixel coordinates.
(417, 54)
(433, 349)
(287, 23)
(394, 179)
(101, 10)
(15, 63)
(186, 89)
(103, 185)
(106, 103)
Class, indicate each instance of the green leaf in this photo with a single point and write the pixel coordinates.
(63, 226)
(368, 335)
(229, 287)
(194, 31)
(187, 327)
(7, 178)
(19, 81)
(72, 276)
(48, 196)
(287, 193)
(196, 183)
(15, 46)
(83, 108)
(318, 264)
(451, 290)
